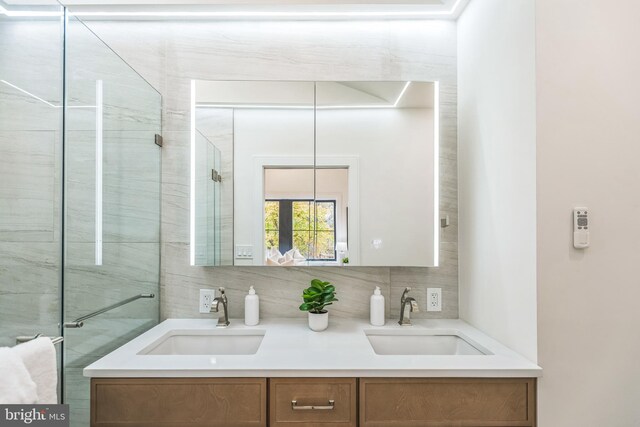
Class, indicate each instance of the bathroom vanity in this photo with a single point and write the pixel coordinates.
(297, 402)
(187, 372)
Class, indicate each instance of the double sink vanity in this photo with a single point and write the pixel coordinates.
(189, 372)
(315, 174)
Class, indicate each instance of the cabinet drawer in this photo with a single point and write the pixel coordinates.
(179, 402)
(312, 402)
(398, 402)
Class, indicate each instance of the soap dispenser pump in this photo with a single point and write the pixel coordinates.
(377, 308)
(251, 308)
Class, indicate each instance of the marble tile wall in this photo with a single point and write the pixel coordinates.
(30, 145)
(170, 54)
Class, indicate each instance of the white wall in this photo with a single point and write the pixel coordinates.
(497, 175)
(588, 66)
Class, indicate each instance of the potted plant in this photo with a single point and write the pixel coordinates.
(316, 298)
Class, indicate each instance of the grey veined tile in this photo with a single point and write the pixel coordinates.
(130, 187)
(288, 51)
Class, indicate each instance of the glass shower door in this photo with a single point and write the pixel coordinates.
(112, 206)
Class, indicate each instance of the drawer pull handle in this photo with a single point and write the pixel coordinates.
(329, 407)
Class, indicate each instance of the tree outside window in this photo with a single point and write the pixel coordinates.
(302, 224)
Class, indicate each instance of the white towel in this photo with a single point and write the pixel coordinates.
(39, 357)
(16, 385)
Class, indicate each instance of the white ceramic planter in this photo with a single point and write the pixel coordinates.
(318, 321)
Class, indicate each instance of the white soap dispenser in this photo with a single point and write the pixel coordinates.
(251, 308)
(377, 308)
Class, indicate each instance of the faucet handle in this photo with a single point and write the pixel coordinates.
(414, 306)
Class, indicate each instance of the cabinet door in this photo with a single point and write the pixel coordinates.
(179, 402)
(312, 402)
(477, 402)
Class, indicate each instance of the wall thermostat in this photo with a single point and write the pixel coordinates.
(580, 228)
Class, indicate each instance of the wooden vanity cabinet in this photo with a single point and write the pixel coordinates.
(313, 402)
(460, 402)
(179, 402)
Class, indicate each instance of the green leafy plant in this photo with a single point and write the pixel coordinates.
(345, 260)
(318, 296)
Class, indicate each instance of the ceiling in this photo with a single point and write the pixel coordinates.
(218, 2)
(246, 9)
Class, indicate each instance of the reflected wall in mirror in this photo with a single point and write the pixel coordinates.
(314, 173)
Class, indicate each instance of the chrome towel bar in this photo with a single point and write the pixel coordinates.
(79, 322)
(23, 339)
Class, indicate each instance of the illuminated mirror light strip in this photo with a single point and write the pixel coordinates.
(99, 162)
(436, 173)
(192, 201)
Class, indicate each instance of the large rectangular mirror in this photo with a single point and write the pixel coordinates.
(314, 173)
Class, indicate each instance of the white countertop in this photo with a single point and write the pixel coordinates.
(291, 349)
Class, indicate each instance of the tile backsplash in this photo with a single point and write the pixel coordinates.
(280, 289)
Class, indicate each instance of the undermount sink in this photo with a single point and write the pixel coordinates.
(216, 342)
(423, 342)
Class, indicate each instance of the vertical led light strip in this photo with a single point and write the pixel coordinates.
(99, 129)
(192, 202)
(436, 173)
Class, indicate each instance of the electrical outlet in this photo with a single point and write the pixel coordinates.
(206, 299)
(434, 299)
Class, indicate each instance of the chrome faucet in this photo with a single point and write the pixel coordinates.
(223, 321)
(404, 302)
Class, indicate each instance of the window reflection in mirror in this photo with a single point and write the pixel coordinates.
(299, 231)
